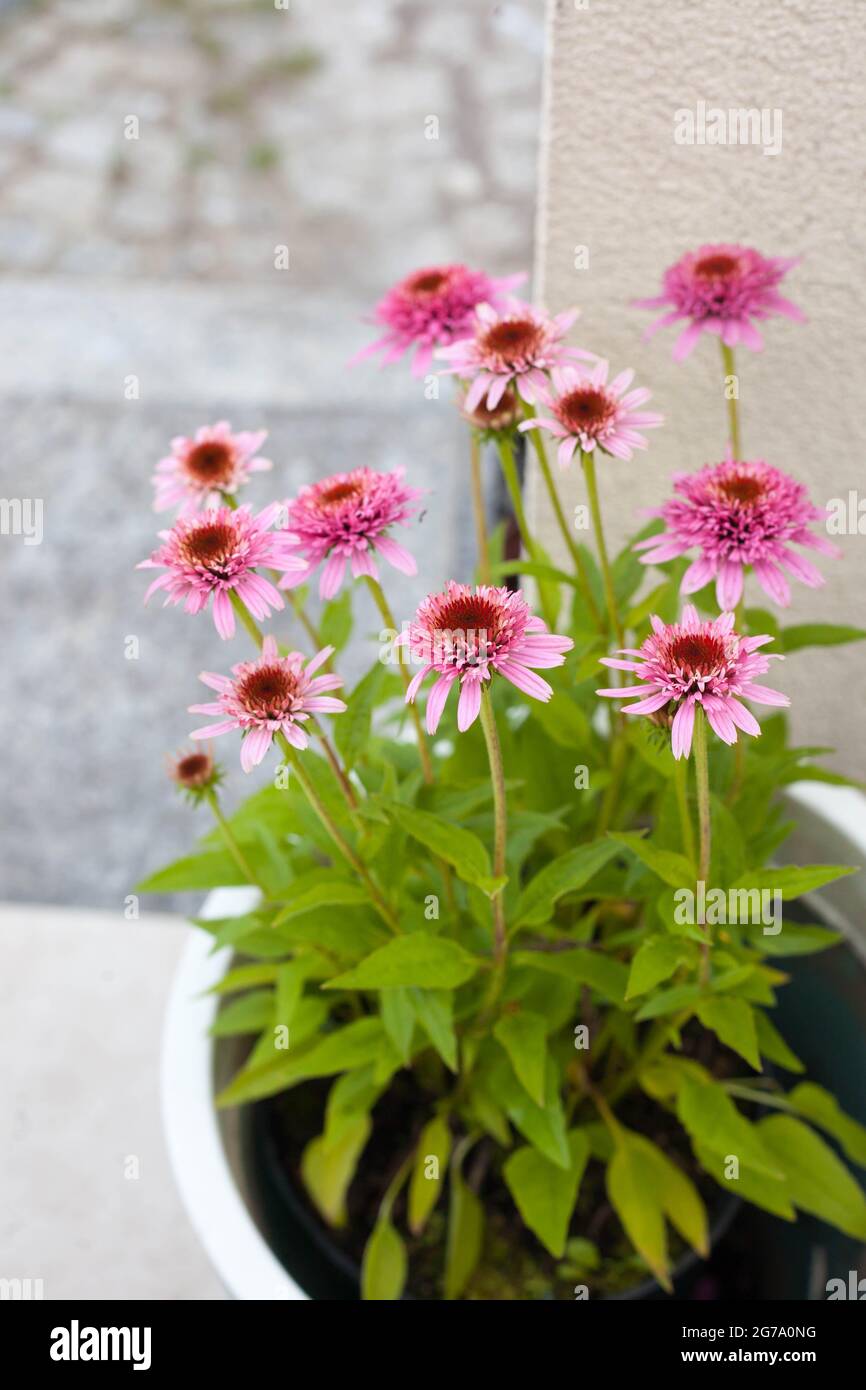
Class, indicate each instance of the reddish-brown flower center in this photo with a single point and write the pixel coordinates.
(466, 615)
(268, 692)
(211, 462)
(742, 488)
(697, 653)
(427, 282)
(586, 410)
(502, 414)
(209, 546)
(340, 492)
(716, 266)
(512, 339)
(193, 770)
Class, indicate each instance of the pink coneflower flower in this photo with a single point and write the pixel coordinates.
(590, 413)
(739, 514)
(199, 469)
(344, 520)
(722, 289)
(217, 553)
(432, 308)
(261, 698)
(468, 635)
(697, 663)
(514, 347)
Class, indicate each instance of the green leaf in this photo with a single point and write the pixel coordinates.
(733, 1022)
(352, 729)
(818, 635)
(434, 1010)
(353, 1046)
(818, 1182)
(212, 869)
(792, 882)
(327, 1169)
(544, 1193)
(524, 1037)
(822, 1109)
(675, 1193)
(245, 976)
(583, 967)
(638, 1207)
(773, 1045)
(335, 627)
(425, 1184)
(250, 1014)
(465, 1236)
(335, 892)
(669, 1001)
(383, 1272)
(432, 962)
(459, 847)
(713, 1121)
(543, 1125)
(767, 1193)
(398, 1020)
(797, 940)
(563, 875)
(672, 868)
(655, 960)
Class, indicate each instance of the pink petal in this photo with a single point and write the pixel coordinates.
(469, 704)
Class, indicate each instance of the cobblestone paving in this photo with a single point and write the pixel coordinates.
(155, 257)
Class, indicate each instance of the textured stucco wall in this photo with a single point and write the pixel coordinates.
(614, 180)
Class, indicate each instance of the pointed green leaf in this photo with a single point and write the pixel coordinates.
(637, 1205)
(655, 960)
(383, 1272)
(714, 1122)
(666, 864)
(822, 1109)
(818, 1182)
(465, 1236)
(545, 1194)
(327, 1169)
(733, 1022)
(428, 1172)
(434, 1010)
(583, 967)
(563, 875)
(432, 962)
(524, 1037)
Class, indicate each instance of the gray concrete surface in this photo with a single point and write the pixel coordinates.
(154, 258)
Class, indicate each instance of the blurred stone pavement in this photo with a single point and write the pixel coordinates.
(153, 258)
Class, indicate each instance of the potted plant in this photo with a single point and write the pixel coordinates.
(500, 1006)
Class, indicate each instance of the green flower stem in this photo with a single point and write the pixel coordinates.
(232, 845)
(571, 543)
(337, 768)
(687, 829)
(381, 906)
(500, 823)
(388, 619)
(588, 461)
(733, 412)
(481, 543)
(702, 781)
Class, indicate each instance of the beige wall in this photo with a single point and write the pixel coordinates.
(614, 180)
